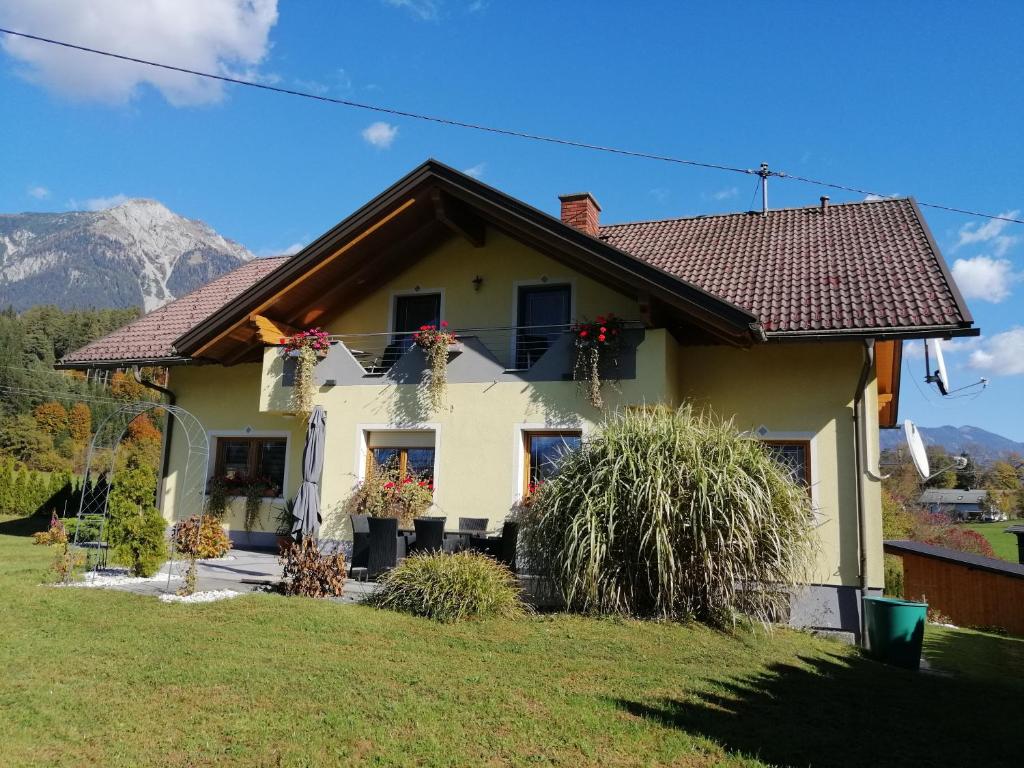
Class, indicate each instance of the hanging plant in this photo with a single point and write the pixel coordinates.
(306, 347)
(597, 346)
(436, 343)
(256, 489)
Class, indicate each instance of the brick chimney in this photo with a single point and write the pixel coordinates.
(581, 211)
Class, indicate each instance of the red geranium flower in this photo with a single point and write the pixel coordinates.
(601, 337)
(584, 334)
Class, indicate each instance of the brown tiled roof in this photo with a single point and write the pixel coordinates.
(151, 337)
(854, 266)
(858, 266)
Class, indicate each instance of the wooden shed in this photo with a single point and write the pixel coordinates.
(973, 591)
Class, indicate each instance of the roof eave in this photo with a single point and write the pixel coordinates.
(893, 333)
(89, 365)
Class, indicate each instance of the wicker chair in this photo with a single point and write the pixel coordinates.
(383, 545)
(505, 551)
(429, 534)
(360, 542)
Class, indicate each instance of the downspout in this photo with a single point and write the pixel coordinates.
(860, 461)
(165, 449)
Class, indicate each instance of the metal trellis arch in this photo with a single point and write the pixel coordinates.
(189, 494)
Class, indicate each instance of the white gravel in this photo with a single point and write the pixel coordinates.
(116, 577)
(201, 597)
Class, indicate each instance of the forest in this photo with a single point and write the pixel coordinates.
(47, 417)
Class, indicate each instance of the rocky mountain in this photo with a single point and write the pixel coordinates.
(138, 253)
(982, 445)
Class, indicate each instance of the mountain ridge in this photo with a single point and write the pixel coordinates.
(138, 253)
(979, 443)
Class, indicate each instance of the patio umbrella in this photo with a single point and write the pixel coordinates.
(307, 501)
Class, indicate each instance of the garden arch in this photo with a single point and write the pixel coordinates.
(189, 496)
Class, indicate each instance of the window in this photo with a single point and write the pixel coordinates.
(411, 313)
(795, 455)
(542, 452)
(417, 463)
(241, 458)
(542, 315)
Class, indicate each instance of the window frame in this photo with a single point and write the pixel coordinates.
(518, 287)
(527, 440)
(803, 443)
(403, 458)
(393, 306)
(216, 464)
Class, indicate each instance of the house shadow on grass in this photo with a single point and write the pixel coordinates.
(850, 712)
(24, 526)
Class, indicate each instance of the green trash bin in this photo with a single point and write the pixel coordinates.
(895, 630)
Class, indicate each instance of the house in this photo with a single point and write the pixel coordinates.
(791, 322)
(960, 505)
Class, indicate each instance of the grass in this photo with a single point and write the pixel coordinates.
(101, 678)
(1003, 543)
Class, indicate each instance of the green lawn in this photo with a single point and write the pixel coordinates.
(1003, 543)
(99, 678)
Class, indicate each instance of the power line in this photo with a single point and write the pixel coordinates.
(485, 128)
(65, 395)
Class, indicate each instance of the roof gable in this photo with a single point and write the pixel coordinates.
(432, 202)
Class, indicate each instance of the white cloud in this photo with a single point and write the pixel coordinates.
(985, 278)
(660, 194)
(219, 36)
(1002, 354)
(292, 249)
(725, 194)
(875, 198)
(989, 232)
(98, 203)
(380, 134)
(476, 171)
(38, 192)
(427, 10)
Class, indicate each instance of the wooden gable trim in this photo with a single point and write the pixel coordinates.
(888, 365)
(271, 331)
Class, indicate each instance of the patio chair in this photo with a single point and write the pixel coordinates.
(429, 534)
(360, 543)
(473, 523)
(505, 551)
(383, 545)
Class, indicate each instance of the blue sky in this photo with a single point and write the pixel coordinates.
(903, 98)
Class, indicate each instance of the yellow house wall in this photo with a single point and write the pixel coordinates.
(803, 391)
(797, 390)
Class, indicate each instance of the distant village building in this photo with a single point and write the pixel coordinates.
(960, 505)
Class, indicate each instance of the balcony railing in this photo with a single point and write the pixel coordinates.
(516, 348)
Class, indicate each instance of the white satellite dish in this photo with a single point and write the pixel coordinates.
(936, 375)
(917, 452)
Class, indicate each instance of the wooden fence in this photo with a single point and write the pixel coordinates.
(973, 591)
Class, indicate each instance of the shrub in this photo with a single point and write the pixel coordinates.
(308, 572)
(136, 530)
(670, 514)
(56, 534)
(450, 588)
(893, 576)
(939, 530)
(212, 539)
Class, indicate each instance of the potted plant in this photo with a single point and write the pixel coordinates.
(285, 520)
(436, 343)
(384, 494)
(597, 346)
(306, 347)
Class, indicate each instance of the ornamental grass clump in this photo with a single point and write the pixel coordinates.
(450, 588)
(435, 343)
(670, 514)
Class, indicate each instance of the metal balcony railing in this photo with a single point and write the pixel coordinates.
(515, 347)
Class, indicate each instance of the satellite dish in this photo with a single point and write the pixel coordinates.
(916, 446)
(938, 376)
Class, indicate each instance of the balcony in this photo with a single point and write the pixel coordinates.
(494, 354)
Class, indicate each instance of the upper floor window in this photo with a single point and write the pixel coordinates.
(239, 459)
(412, 312)
(543, 313)
(795, 455)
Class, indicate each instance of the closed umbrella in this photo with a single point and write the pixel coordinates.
(307, 501)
